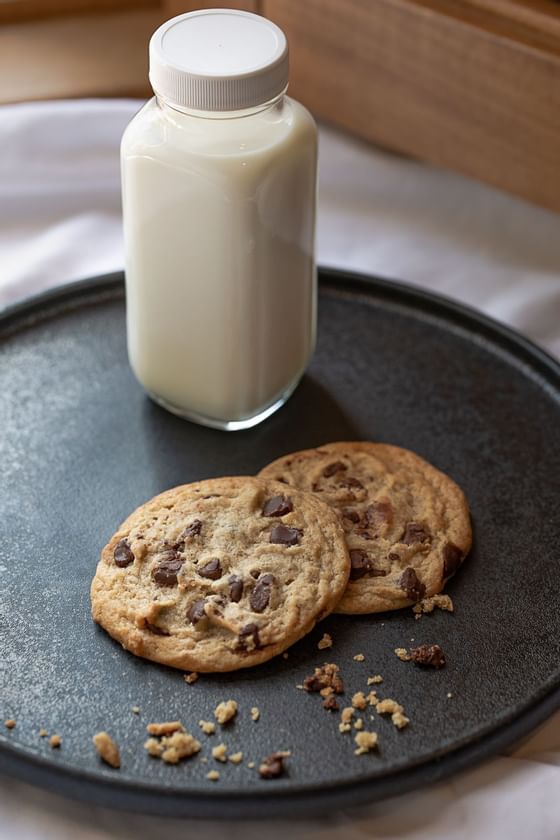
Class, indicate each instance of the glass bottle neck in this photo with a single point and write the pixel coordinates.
(220, 115)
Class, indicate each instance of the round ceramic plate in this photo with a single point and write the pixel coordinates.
(81, 446)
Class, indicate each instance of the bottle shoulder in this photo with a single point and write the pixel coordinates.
(162, 132)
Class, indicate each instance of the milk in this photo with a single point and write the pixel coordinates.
(219, 217)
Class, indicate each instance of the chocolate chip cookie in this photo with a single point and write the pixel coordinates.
(407, 525)
(221, 574)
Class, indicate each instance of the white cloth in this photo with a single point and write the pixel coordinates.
(378, 213)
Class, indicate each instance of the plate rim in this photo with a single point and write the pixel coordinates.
(173, 800)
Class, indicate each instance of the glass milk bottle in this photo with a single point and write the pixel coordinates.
(219, 191)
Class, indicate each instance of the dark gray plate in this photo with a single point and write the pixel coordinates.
(81, 445)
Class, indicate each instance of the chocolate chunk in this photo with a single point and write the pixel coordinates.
(196, 611)
(277, 506)
(393, 557)
(360, 563)
(351, 516)
(415, 533)
(249, 633)
(260, 595)
(378, 513)
(153, 628)
(272, 766)
(194, 529)
(211, 570)
(166, 571)
(413, 588)
(430, 656)
(452, 558)
(282, 535)
(351, 483)
(235, 588)
(327, 676)
(122, 554)
(330, 703)
(331, 469)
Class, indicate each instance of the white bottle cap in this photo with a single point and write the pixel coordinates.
(218, 60)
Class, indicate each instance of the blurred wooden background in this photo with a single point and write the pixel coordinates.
(472, 85)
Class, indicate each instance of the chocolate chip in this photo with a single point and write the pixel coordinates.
(331, 469)
(282, 535)
(414, 589)
(249, 632)
(315, 487)
(431, 656)
(165, 573)
(393, 557)
(153, 628)
(196, 611)
(415, 533)
(235, 588)
(194, 529)
(260, 595)
(211, 570)
(378, 513)
(277, 506)
(350, 483)
(351, 516)
(452, 558)
(360, 563)
(330, 703)
(122, 554)
(272, 766)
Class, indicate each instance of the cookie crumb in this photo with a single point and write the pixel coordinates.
(402, 654)
(372, 698)
(388, 707)
(327, 676)
(359, 700)
(172, 748)
(326, 642)
(250, 764)
(225, 711)
(427, 605)
(190, 678)
(220, 752)
(204, 760)
(345, 724)
(55, 741)
(285, 655)
(213, 775)
(236, 758)
(255, 713)
(359, 657)
(391, 707)
(365, 742)
(375, 680)
(207, 726)
(273, 766)
(10, 723)
(135, 710)
(330, 703)
(107, 749)
(166, 728)
(430, 656)
(359, 723)
(450, 694)
(43, 733)
(399, 720)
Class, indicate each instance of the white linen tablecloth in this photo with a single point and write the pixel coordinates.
(378, 213)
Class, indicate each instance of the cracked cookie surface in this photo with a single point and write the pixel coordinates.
(220, 574)
(407, 524)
